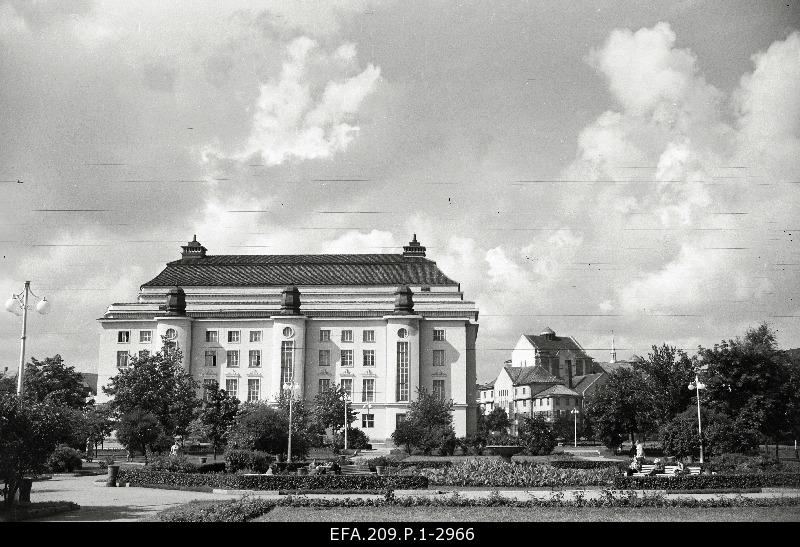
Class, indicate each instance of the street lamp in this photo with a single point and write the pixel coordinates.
(346, 421)
(697, 386)
(13, 305)
(575, 413)
(290, 387)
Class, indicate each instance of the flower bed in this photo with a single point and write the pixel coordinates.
(500, 473)
(270, 482)
(702, 482)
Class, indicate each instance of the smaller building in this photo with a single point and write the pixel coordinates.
(561, 356)
(485, 397)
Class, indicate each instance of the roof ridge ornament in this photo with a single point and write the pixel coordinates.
(414, 248)
(193, 249)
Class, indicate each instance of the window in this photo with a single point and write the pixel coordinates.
(143, 354)
(368, 391)
(438, 357)
(234, 336)
(402, 371)
(208, 387)
(171, 334)
(324, 357)
(369, 336)
(255, 336)
(579, 367)
(369, 358)
(287, 362)
(211, 358)
(367, 421)
(122, 359)
(554, 367)
(347, 336)
(145, 336)
(568, 364)
(232, 387)
(288, 332)
(347, 358)
(233, 357)
(402, 333)
(212, 336)
(324, 336)
(123, 336)
(438, 389)
(399, 419)
(347, 386)
(324, 384)
(558, 402)
(253, 389)
(438, 335)
(524, 390)
(524, 403)
(255, 358)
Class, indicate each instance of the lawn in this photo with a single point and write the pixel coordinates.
(538, 514)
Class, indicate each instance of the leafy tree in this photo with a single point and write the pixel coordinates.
(429, 419)
(497, 419)
(751, 379)
(536, 435)
(53, 381)
(218, 415)
(305, 430)
(139, 430)
(356, 438)
(8, 384)
(621, 407)
(329, 409)
(260, 427)
(667, 372)
(157, 384)
(721, 435)
(29, 433)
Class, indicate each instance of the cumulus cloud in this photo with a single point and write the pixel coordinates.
(292, 121)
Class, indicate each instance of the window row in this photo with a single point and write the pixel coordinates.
(347, 335)
(124, 336)
(232, 388)
(232, 356)
(235, 336)
(368, 388)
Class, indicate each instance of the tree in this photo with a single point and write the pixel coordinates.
(429, 420)
(53, 381)
(218, 415)
(667, 372)
(536, 435)
(721, 434)
(139, 430)
(563, 426)
(259, 426)
(29, 433)
(497, 419)
(329, 409)
(157, 384)
(621, 407)
(99, 424)
(750, 379)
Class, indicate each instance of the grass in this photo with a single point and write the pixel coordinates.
(539, 514)
(36, 510)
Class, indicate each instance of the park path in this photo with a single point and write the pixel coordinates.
(99, 503)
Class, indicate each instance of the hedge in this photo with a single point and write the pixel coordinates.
(701, 482)
(587, 464)
(271, 482)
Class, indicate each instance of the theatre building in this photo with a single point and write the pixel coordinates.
(381, 325)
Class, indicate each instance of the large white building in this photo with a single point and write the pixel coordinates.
(381, 325)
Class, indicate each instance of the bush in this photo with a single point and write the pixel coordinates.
(503, 439)
(700, 482)
(254, 460)
(448, 443)
(356, 439)
(172, 462)
(215, 467)
(146, 477)
(486, 472)
(64, 459)
(472, 444)
(240, 510)
(537, 436)
(743, 463)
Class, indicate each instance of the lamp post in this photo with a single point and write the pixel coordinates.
(697, 386)
(575, 413)
(290, 387)
(14, 304)
(346, 421)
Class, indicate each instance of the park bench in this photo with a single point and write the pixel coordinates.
(669, 471)
(356, 470)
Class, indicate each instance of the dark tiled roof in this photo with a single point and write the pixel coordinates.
(545, 343)
(581, 383)
(280, 270)
(612, 367)
(557, 390)
(487, 385)
(531, 375)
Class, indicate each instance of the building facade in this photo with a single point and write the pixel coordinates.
(381, 325)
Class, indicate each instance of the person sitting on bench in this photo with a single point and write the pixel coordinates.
(658, 467)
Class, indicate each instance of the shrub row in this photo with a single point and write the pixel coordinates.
(254, 460)
(700, 482)
(143, 477)
(587, 464)
(501, 473)
(246, 508)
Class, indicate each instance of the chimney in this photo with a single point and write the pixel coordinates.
(290, 301)
(193, 249)
(414, 248)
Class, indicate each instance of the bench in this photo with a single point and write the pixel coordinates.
(669, 471)
(355, 470)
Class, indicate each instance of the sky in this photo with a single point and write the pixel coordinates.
(609, 166)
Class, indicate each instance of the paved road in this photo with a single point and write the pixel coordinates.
(99, 503)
